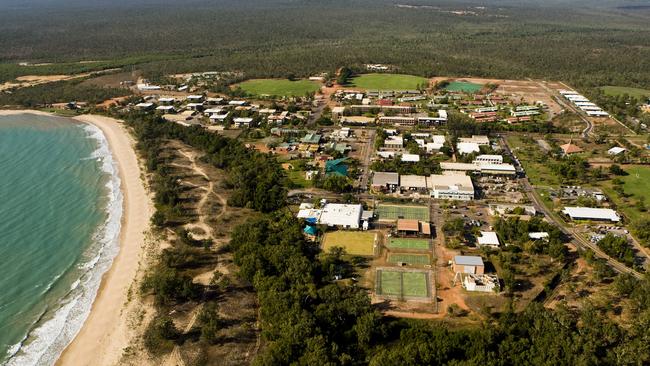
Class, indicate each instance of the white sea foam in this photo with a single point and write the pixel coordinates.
(45, 341)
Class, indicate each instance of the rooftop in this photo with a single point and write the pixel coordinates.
(385, 178)
(488, 238)
(466, 260)
(592, 213)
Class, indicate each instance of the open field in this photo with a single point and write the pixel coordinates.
(462, 86)
(403, 284)
(388, 82)
(401, 243)
(279, 87)
(354, 242)
(417, 259)
(636, 184)
(538, 171)
(394, 212)
(620, 90)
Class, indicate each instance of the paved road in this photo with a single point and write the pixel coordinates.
(578, 240)
(556, 96)
(367, 155)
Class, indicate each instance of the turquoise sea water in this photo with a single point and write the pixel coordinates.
(60, 210)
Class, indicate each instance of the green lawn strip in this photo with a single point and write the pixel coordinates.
(387, 82)
(620, 90)
(394, 212)
(279, 87)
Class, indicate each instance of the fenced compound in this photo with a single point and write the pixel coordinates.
(403, 285)
(416, 259)
(414, 244)
(396, 212)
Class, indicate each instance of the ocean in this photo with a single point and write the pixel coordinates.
(60, 212)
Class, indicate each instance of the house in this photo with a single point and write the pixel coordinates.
(468, 264)
(477, 139)
(451, 187)
(588, 213)
(311, 139)
(570, 148)
(467, 147)
(538, 235)
(216, 118)
(413, 183)
(144, 106)
(337, 167)
(195, 106)
(394, 142)
(616, 150)
(410, 158)
(195, 98)
(166, 109)
(243, 122)
(385, 181)
(489, 239)
(167, 100)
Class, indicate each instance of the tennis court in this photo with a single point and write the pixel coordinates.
(395, 212)
(417, 259)
(403, 284)
(403, 243)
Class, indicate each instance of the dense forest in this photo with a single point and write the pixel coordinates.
(308, 317)
(586, 43)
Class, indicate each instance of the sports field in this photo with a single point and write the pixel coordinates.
(418, 259)
(402, 243)
(354, 242)
(394, 212)
(463, 86)
(636, 184)
(620, 90)
(402, 284)
(279, 87)
(388, 82)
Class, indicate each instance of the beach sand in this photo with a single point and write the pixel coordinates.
(107, 331)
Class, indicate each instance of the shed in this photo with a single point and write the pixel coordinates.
(408, 226)
(468, 264)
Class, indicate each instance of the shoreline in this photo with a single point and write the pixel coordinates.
(107, 329)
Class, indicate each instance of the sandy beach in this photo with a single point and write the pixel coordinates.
(106, 331)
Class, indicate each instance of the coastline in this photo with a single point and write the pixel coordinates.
(108, 328)
(106, 331)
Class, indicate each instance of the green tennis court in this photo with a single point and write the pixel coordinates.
(403, 284)
(418, 259)
(402, 243)
(395, 212)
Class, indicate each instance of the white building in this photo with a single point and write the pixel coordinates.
(538, 235)
(413, 183)
(468, 147)
(489, 159)
(242, 122)
(615, 150)
(488, 238)
(341, 215)
(410, 158)
(451, 187)
(477, 139)
(588, 213)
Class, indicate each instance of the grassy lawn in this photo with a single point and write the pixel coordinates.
(279, 87)
(401, 243)
(463, 86)
(420, 259)
(415, 284)
(539, 173)
(620, 90)
(394, 212)
(297, 179)
(637, 184)
(354, 242)
(388, 82)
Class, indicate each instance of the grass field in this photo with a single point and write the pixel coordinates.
(620, 90)
(401, 243)
(394, 212)
(407, 284)
(462, 86)
(637, 184)
(279, 87)
(354, 242)
(419, 259)
(388, 82)
(539, 172)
